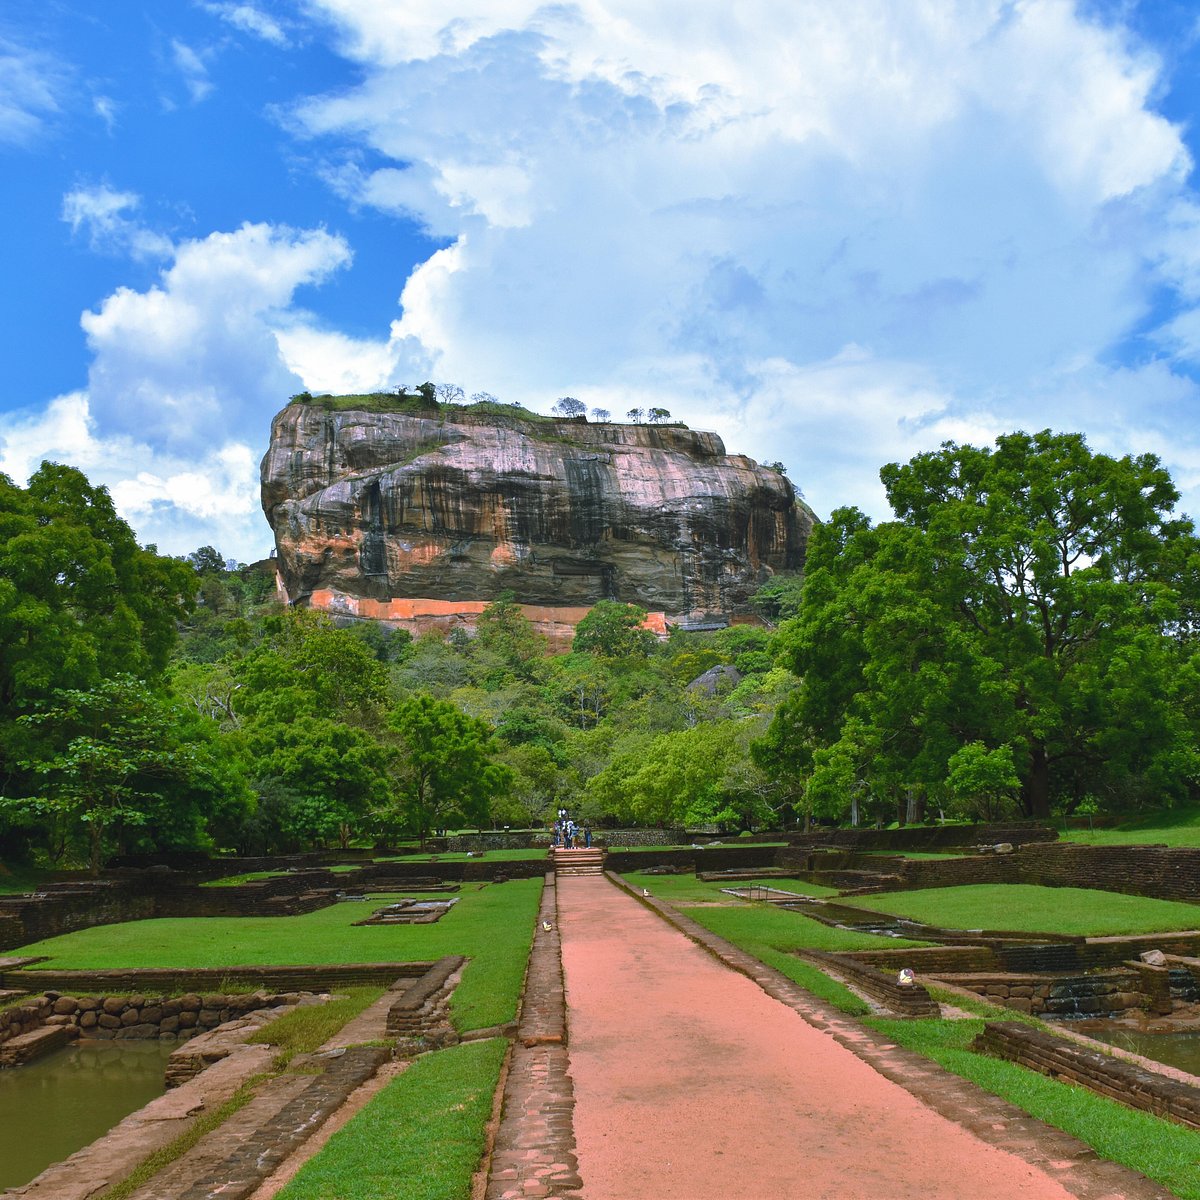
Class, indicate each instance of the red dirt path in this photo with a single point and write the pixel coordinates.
(692, 1084)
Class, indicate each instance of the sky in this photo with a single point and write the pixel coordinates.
(837, 232)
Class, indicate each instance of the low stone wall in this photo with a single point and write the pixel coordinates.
(175, 981)
(491, 841)
(929, 960)
(419, 1007)
(714, 858)
(135, 1017)
(1099, 995)
(1104, 1073)
(910, 1001)
(926, 837)
(642, 837)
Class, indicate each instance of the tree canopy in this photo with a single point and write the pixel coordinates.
(1034, 597)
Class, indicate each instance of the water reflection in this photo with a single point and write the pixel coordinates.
(1180, 1050)
(55, 1106)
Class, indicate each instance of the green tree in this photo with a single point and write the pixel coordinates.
(613, 630)
(1014, 583)
(335, 775)
(446, 764)
(982, 780)
(118, 757)
(505, 631)
(80, 601)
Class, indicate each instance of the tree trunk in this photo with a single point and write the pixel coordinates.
(854, 811)
(1038, 788)
(96, 836)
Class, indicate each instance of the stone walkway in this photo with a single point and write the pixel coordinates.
(692, 1082)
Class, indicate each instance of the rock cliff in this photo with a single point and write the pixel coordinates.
(374, 507)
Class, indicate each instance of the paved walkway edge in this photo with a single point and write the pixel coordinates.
(534, 1150)
(1072, 1163)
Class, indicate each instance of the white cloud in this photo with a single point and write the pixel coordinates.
(30, 86)
(184, 379)
(191, 66)
(195, 357)
(105, 107)
(250, 19)
(173, 503)
(104, 215)
(841, 232)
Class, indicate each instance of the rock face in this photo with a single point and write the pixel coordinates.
(370, 508)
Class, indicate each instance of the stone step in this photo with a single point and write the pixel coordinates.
(26, 1047)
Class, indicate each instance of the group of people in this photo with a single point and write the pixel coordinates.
(568, 835)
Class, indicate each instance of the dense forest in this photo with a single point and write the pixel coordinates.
(1019, 640)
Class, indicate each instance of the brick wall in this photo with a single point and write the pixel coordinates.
(1104, 1073)
(926, 837)
(912, 1001)
(716, 858)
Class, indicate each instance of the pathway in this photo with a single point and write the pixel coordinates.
(692, 1083)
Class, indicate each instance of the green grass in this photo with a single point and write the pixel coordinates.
(771, 934)
(492, 924)
(420, 1138)
(1166, 1152)
(15, 880)
(1030, 907)
(305, 1029)
(237, 880)
(680, 889)
(1172, 827)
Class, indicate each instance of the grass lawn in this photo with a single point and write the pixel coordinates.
(492, 924)
(15, 881)
(1160, 1149)
(420, 1138)
(248, 877)
(1172, 827)
(1025, 906)
(684, 889)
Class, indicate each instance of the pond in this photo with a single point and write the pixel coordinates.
(1180, 1050)
(59, 1104)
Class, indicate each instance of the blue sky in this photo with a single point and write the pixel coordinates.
(836, 233)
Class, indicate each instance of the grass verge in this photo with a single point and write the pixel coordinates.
(492, 925)
(420, 1138)
(682, 889)
(310, 1026)
(1159, 1149)
(1026, 906)
(772, 935)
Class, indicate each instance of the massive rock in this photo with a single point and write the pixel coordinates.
(373, 508)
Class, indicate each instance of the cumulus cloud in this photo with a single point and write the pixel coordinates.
(30, 86)
(183, 379)
(195, 357)
(907, 220)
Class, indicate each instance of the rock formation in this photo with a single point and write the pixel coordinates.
(372, 509)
